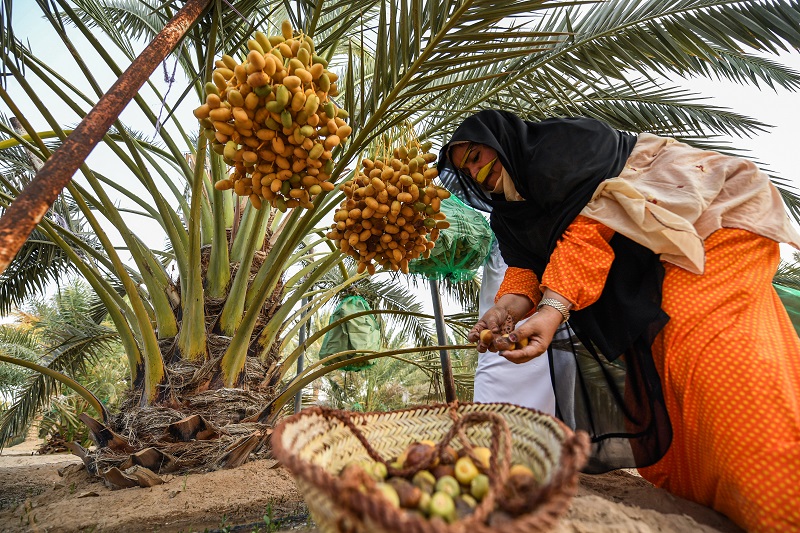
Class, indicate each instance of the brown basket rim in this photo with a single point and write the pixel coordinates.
(559, 492)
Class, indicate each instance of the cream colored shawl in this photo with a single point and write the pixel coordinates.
(670, 197)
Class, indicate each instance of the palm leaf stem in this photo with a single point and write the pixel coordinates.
(234, 304)
(116, 306)
(277, 228)
(459, 83)
(282, 243)
(206, 212)
(192, 339)
(152, 275)
(306, 253)
(136, 212)
(311, 26)
(171, 223)
(153, 364)
(273, 328)
(322, 204)
(103, 52)
(155, 267)
(299, 278)
(316, 299)
(219, 273)
(164, 316)
(177, 193)
(304, 314)
(41, 68)
(301, 315)
(292, 357)
(332, 248)
(235, 355)
(10, 143)
(243, 232)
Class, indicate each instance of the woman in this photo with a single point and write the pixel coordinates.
(661, 256)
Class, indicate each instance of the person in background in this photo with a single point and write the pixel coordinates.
(499, 380)
(661, 256)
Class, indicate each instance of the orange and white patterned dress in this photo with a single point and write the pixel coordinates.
(729, 363)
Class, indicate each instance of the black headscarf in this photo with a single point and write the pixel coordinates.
(609, 385)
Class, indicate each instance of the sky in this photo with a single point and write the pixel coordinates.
(778, 149)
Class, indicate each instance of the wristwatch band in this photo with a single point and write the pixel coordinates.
(555, 304)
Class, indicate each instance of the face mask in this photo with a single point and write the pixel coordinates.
(499, 187)
(484, 172)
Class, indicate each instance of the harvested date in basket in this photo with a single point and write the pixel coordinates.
(448, 486)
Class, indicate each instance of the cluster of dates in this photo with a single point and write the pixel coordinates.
(271, 118)
(391, 213)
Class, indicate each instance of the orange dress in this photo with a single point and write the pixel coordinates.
(729, 363)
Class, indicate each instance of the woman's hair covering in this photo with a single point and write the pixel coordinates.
(556, 165)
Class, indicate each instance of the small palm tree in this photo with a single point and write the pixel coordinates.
(65, 334)
(224, 322)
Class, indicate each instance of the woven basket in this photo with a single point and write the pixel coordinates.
(317, 443)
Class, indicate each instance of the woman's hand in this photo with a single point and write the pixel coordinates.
(508, 307)
(493, 320)
(539, 329)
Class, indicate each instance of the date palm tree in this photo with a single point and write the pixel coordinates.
(222, 320)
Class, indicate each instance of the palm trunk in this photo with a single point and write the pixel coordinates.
(31, 205)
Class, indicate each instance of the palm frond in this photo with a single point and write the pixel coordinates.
(21, 344)
(68, 340)
(38, 264)
(609, 42)
(6, 35)
(639, 106)
(33, 396)
(680, 37)
(788, 274)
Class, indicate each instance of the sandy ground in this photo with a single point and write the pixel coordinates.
(53, 493)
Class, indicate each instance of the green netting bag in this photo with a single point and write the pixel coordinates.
(359, 333)
(791, 301)
(461, 249)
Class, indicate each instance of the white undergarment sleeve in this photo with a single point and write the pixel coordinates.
(499, 380)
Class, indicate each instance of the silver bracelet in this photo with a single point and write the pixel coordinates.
(555, 304)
